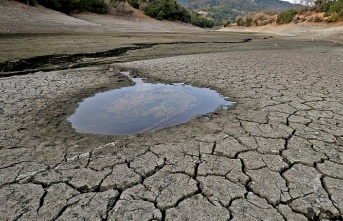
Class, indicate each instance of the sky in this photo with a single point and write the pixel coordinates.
(291, 1)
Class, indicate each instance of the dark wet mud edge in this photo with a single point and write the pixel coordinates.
(65, 61)
(51, 124)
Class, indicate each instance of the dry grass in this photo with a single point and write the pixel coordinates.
(261, 19)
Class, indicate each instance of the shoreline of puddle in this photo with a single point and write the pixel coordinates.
(144, 107)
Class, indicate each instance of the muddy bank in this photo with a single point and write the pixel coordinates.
(40, 119)
(68, 61)
(59, 62)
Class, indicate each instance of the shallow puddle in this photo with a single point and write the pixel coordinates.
(144, 106)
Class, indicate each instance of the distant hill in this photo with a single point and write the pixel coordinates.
(220, 10)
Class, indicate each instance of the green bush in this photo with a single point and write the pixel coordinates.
(240, 21)
(185, 15)
(226, 23)
(326, 14)
(248, 22)
(167, 9)
(66, 6)
(336, 7)
(133, 3)
(333, 17)
(326, 6)
(329, 7)
(164, 9)
(54, 4)
(97, 6)
(201, 21)
(286, 17)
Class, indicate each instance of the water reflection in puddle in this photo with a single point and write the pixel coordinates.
(144, 106)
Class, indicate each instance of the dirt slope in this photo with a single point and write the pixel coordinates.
(307, 30)
(16, 17)
(20, 18)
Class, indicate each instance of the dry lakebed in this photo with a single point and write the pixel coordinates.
(276, 153)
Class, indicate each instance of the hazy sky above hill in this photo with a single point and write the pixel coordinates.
(301, 2)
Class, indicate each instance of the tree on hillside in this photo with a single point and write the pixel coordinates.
(201, 21)
(166, 9)
(286, 17)
(332, 8)
(170, 10)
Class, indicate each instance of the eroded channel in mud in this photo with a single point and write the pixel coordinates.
(144, 107)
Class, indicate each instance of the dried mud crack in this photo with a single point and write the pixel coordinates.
(276, 155)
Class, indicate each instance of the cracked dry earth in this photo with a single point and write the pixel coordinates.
(276, 155)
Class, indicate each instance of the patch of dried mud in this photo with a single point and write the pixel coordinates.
(276, 155)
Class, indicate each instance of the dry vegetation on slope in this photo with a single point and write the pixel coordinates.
(17, 17)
